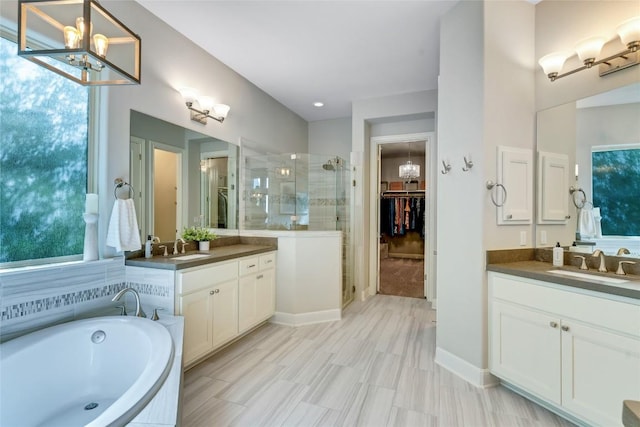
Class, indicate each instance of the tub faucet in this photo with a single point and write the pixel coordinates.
(599, 253)
(623, 251)
(139, 312)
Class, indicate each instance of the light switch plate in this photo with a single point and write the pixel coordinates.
(543, 237)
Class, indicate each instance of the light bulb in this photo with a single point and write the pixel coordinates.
(80, 27)
(589, 49)
(101, 44)
(221, 110)
(206, 103)
(71, 37)
(552, 64)
(189, 94)
(629, 32)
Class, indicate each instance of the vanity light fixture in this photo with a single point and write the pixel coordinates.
(589, 49)
(80, 40)
(208, 107)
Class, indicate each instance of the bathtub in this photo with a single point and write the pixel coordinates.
(93, 372)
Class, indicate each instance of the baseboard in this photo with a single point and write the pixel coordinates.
(434, 304)
(290, 319)
(481, 378)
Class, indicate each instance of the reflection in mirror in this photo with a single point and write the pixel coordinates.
(181, 177)
(599, 138)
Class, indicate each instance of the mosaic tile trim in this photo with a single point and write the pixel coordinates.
(150, 289)
(43, 304)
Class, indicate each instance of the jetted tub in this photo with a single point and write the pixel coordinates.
(93, 372)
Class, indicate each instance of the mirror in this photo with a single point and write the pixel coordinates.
(592, 145)
(181, 178)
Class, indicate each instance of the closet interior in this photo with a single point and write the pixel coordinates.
(402, 225)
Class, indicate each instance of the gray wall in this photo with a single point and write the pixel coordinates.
(331, 137)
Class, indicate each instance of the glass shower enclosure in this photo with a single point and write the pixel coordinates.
(300, 191)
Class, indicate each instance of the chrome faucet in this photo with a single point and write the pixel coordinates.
(623, 251)
(139, 312)
(175, 245)
(599, 253)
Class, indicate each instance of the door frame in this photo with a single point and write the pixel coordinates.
(430, 200)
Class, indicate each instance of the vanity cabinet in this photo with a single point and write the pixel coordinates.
(576, 351)
(257, 290)
(223, 300)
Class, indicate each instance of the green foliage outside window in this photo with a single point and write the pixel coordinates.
(616, 190)
(43, 160)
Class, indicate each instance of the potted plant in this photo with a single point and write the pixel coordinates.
(199, 234)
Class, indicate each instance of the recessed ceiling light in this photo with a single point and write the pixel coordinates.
(318, 104)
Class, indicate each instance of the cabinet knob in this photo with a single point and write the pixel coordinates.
(567, 217)
(212, 292)
(509, 216)
(251, 266)
(564, 328)
(553, 324)
(217, 291)
(260, 276)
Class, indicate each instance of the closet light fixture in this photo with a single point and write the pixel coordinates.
(208, 107)
(80, 40)
(409, 170)
(589, 49)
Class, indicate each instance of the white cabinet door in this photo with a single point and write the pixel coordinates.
(266, 294)
(248, 303)
(525, 349)
(225, 312)
(600, 369)
(553, 188)
(515, 172)
(197, 309)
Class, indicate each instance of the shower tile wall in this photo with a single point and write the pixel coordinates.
(322, 195)
(38, 297)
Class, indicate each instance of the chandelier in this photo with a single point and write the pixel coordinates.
(409, 171)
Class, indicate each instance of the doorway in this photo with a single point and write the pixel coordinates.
(166, 163)
(404, 226)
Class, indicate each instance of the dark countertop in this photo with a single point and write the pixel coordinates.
(216, 254)
(538, 270)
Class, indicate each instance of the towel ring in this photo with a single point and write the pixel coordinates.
(490, 186)
(573, 191)
(119, 183)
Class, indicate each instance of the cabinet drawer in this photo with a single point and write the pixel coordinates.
(200, 277)
(249, 265)
(267, 261)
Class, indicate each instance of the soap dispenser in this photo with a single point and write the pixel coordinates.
(558, 255)
(148, 248)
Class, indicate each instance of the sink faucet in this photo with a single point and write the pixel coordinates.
(175, 245)
(599, 253)
(139, 312)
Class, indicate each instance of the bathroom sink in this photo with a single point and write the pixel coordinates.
(611, 280)
(189, 257)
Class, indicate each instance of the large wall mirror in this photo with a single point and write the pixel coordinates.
(181, 178)
(592, 145)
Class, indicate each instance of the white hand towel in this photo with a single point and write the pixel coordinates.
(123, 233)
(586, 223)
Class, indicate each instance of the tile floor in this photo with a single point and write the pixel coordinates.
(373, 368)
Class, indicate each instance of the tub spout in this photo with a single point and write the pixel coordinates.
(139, 311)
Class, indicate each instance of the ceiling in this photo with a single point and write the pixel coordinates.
(303, 51)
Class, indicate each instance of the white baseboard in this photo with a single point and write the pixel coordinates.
(481, 378)
(290, 319)
(434, 304)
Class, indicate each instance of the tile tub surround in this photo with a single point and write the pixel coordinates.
(37, 297)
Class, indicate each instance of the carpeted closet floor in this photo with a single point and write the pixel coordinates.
(402, 277)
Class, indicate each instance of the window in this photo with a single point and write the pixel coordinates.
(616, 186)
(43, 161)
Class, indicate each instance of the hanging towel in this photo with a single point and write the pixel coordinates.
(123, 233)
(586, 223)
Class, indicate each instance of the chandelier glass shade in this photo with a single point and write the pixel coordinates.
(409, 171)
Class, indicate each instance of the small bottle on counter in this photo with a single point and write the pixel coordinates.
(148, 248)
(558, 255)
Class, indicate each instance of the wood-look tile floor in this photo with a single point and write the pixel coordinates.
(375, 367)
